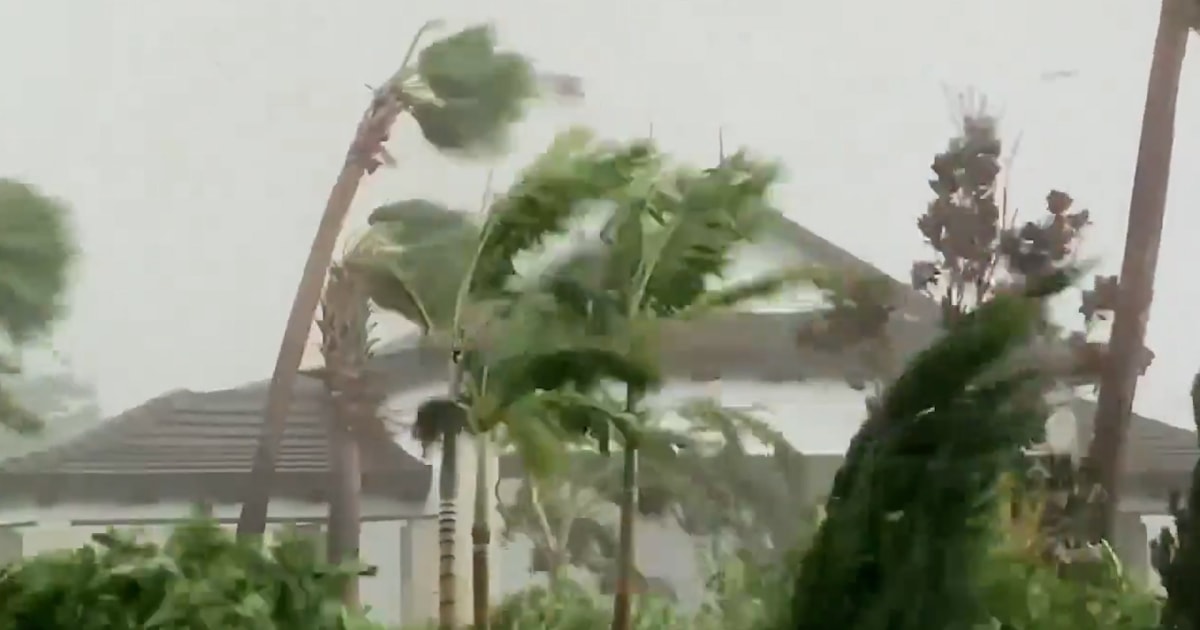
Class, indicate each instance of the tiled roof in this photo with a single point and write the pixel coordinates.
(200, 446)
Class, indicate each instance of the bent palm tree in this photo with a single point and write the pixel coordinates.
(451, 273)
(36, 253)
(1143, 236)
(464, 95)
(672, 233)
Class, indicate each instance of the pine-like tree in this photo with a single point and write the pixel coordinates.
(909, 519)
(1176, 555)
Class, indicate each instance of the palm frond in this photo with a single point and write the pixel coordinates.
(549, 194)
(415, 256)
(37, 249)
(763, 286)
(480, 92)
(716, 210)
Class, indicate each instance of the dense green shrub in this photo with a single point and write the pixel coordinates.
(1176, 554)
(911, 515)
(1022, 592)
(201, 578)
(569, 606)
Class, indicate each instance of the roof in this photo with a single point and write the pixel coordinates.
(199, 446)
(1156, 448)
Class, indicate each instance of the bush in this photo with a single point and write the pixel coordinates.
(201, 578)
(569, 606)
(1022, 592)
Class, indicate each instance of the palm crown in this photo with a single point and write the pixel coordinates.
(591, 317)
(36, 252)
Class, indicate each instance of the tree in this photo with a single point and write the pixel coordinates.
(701, 475)
(979, 248)
(1176, 556)
(37, 249)
(907, 522)
(346, 346)
(454, 275)
(464, 95)
(671, 233)
(1147, 206)
(594, 314)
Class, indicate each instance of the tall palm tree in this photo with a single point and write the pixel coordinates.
(672, 232)
(37, 249)
(453, 275)
(464, 95)
(1147, 207)
(591, 315)
(346, 346)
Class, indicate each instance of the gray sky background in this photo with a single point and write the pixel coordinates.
(197, 140)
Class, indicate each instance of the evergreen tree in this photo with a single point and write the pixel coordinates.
(909, 518)
(1176, 556)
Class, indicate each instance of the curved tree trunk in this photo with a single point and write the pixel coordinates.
(1118, 384)
(481, 536)
(367, 144)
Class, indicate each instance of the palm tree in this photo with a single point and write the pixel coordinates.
(1147, 207)
(346, 346)
(453, 275)
(37, 250)
(590, 316)
(672, 232)
(464, 95)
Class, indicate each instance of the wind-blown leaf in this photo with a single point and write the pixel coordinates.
(576, 169)
(415, 257)
(766, 285)
(480, 91)
(717, 210)
(37, 249)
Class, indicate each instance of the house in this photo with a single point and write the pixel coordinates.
(151, 465)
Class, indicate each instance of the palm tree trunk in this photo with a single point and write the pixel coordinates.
(1144, 232)
(622, 597)
(447, 512)
(368, 140)
(345, 507)
(447, 524)
(481, 536)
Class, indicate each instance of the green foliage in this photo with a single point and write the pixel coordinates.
(909, 518)
(1021, 592)
(569, 606)
(1176, 555)
(201, 578)
(708, 215)
(37, 249)
(414, 258)
(480, 92)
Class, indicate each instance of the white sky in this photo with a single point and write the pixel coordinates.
(197, 140)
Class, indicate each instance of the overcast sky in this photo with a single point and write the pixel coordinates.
(197, 140)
